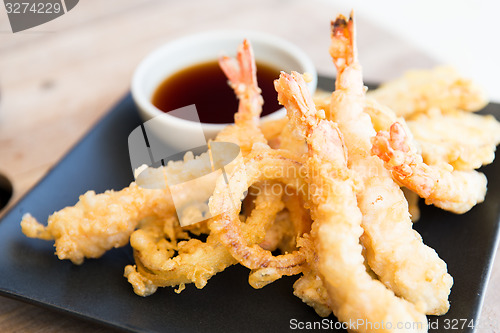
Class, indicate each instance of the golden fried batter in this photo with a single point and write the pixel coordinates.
(418, 91)
(464, 140)
(99, 222)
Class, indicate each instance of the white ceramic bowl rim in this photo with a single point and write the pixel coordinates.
(143, 99)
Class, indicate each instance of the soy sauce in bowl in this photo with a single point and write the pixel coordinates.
(205, 85)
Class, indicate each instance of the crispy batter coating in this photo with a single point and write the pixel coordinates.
(277, 165)
(196, 261)
(418, 91)
(395, 251)
(273, 128)
(288, 226)
(465, 141)
(337, 222)
(311, 290)
(326, 163)
(99, 222)
(413, 200)
(455, 191)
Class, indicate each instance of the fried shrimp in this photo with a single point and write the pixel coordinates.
(242, 76)
(227, 226)
(337, 219)
(290, 224)
(297, 219)
(278, 165)
(310, 287)
(99, 222)
(273, 128)
(455, 191)
(325, 193)
(198, 261)
(395, 252)
(418, 91)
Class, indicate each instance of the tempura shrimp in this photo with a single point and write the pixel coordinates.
(455, 191)
(261, 165)
(394, 251)
(99, 222)
(337, 219)
(198, 261)
(242, 75)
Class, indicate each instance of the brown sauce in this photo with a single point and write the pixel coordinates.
(205, 85)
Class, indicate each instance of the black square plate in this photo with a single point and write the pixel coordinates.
(97, 291)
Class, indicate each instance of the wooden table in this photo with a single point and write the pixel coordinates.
(58, 79)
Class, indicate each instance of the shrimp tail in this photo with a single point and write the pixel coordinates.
(292, 87)
(343, 48)
(394, 149)
(452, 190)
(323, 137)
(242, 75)
(242, 71)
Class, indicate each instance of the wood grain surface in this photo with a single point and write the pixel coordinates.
(57, 80)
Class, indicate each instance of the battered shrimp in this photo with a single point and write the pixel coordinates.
(272, 130)
(382, 118)
(263, 164)
(337, 219)
(288, 226)
(266, 267)
(242, 76)
(394, 251)
(455, 191)
(412, 198)
(198, 261)
(99, 222)
(464, 140)
(310, 287)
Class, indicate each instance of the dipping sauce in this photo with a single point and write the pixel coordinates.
(205, 85)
